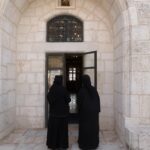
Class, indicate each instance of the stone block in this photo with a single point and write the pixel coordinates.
(20, 100)
(20, 4)
(31, 78)
(106, 123)
(107, 56)
(21, 78)
(100, 66)
(30, 122)
(107, 88)
(137, 136)
(144, 107)
(135, 106)
(42, 89)
(118, 82)
(25, 66)
(4, 72)
(5, 39)
(30, 37)
(118, 52)
(140, 33)
(118, 25)
(139, 63)
(30, 12)
(13, 10)
(109, 66)
(32, 56)
(40, 37)
(133, 16)
(24, 29)
(34, 100)
(146, 82)
(40, 78)
(12, 99)
(104, 36)
(125, 15)
(107, 112)
(83, 13)
(89, 5)
(143, 11)
(89, 36)
(21, 56)
(34, 88)
(30, 111)
(91, 25)
(7, 57)
(25, 21)
(137, 83)
(8, 85)
(13, 43)
(24, 47)
(0, 87)
(109, 77)
(102, 26)
(23, 88)
(141, 47)
(107, 100)
(37, 66)
(11, 71)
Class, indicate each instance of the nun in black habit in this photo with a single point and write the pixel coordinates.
(89, 108)
(58, 98)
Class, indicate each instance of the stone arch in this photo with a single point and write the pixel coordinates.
(92, 41)
(50, 16)
(121, 24)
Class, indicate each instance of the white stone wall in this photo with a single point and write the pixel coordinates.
(140, 88)
(119, 16)
(8, 70)
(140, 75)
(32, 47)
(121, 77)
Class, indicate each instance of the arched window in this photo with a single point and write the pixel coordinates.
(65, 28)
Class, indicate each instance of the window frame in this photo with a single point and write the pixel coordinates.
(72, 28)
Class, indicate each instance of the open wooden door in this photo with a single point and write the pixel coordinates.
(90, 66)
(54, 66)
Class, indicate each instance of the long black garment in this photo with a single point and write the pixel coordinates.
(58, 98)
(89, 108)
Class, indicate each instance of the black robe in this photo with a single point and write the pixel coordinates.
(58, 98)
(89, 108)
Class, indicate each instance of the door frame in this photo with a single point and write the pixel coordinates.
(46, 79)
(64, 71)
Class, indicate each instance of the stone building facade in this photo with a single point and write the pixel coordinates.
(120, 32)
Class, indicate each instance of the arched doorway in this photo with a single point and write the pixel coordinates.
(30, 45)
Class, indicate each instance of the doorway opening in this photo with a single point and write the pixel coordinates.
(72, 66)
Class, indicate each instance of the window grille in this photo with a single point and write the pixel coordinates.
(65, 28)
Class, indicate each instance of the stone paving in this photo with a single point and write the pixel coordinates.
(35, 139)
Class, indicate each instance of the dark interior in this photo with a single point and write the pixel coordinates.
(74, 65)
